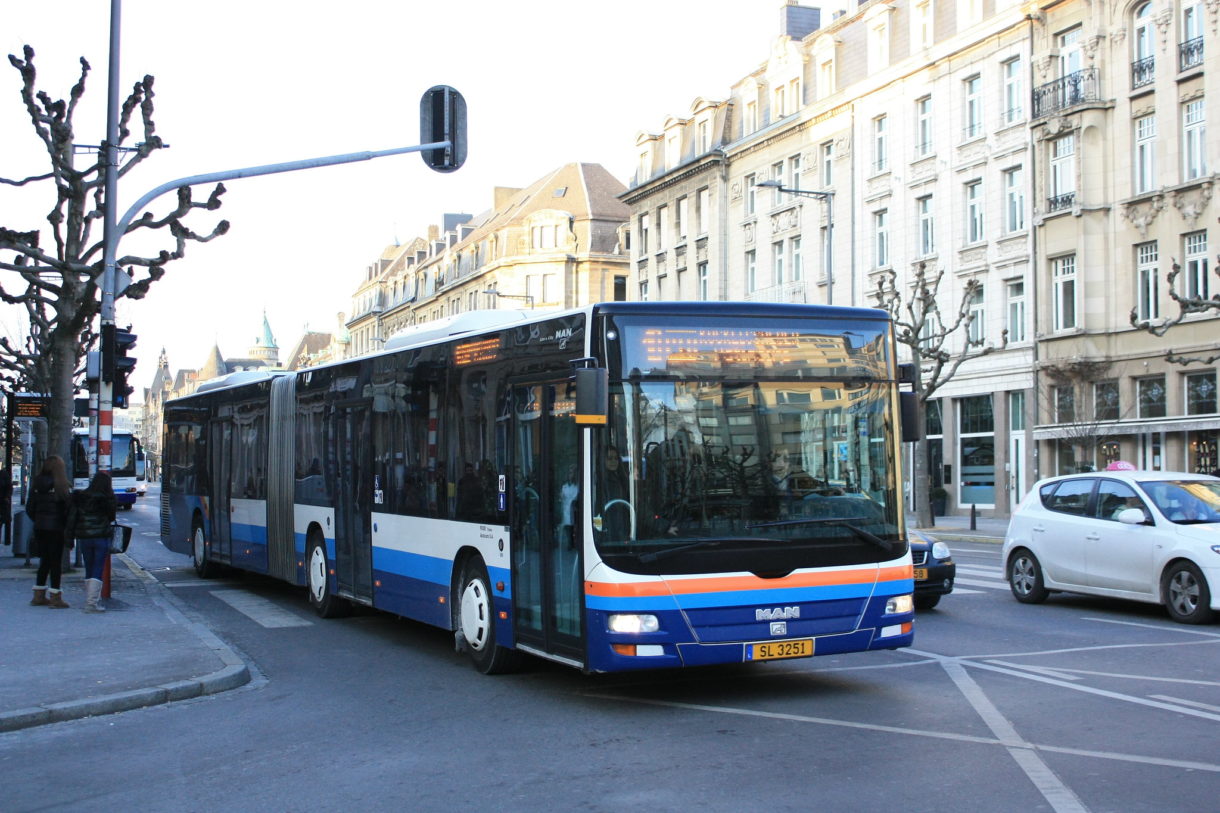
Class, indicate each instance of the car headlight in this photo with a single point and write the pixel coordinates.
(900, 604)
(633, 622)
(940, 550)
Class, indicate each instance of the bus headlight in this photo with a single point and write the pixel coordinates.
(900, 604)
(634, 622)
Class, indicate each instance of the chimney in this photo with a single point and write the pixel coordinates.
(799, 22)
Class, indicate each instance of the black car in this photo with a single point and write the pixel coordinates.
(934, 569)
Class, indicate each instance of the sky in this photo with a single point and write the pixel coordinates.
(256, 82)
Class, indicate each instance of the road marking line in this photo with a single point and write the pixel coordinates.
(1186, 702)
(1042, 670)
(964, 590)
(1157, 627)
(975, 570)
(175, 585)
(994, 585)
(260, 610)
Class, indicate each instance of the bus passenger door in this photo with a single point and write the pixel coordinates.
(354, 501)
(548, 583)
(220, 467)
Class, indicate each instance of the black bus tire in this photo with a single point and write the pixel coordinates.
(205, 568)
(317, 581)
(476, 620)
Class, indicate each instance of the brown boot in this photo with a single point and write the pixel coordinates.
(40, 597)
(55, 600)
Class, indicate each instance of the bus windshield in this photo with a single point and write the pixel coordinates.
(123, 450)
(701, 471)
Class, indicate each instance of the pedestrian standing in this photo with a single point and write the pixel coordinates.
(90, 521)
(48, 506)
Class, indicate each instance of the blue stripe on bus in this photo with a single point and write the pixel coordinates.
(431, 569)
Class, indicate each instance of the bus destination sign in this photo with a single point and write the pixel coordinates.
(31, 406)
(670, 348)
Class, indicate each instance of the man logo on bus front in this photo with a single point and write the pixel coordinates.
(777, 613)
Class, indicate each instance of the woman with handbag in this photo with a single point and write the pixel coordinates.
(48, 506)
(90, 522)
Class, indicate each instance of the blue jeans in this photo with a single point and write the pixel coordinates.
(95, 549)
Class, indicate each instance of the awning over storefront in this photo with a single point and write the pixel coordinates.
(1140, 427)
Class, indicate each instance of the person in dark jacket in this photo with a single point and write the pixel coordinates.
(48, 507)
(90, 517)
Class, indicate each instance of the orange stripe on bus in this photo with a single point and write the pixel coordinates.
(729, 583)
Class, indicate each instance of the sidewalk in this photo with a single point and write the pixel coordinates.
(66, 664)
(987, 529)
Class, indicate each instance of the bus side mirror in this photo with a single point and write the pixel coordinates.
(592, 396)
(911, 430)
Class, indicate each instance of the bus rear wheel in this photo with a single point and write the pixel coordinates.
(325, 603)
(205, 568)
(476, 619)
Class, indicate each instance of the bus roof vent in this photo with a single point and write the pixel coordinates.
(469, 322)
(235, 379)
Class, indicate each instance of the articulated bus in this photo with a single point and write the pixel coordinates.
(125, 473)
(733, 495)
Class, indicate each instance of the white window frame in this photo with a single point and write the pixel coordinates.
(828, 164)
(662, 226)
(974, 212)
(751, 271)
(1014, 95)
(1063, 165)
(777, 174)
(881, 156)
(794, 172)
(927, 225)
(751, 193)
(644, 224)
(702, 279)
(1016, 311)
(1148, 280)
(798, 267)
(881, 238)
(923, 127)
(976, 307)
(1065, 300)
(777, 262)
(681, 218)
(1014, 199)
(922, 16)
(972, 107)
(778, 103)
(1145, 153)
(1194, 140)
(1196, 268)
(703, 201)
(643, 290)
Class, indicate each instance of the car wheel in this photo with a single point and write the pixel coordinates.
(205, 568)
(477, 622)
(1185, 593)
(926, 602)
(325, 603)
(1025, 578)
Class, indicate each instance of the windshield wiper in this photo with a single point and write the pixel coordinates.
(702, 543)
(840, 522)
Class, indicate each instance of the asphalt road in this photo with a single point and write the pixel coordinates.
(1077, 704)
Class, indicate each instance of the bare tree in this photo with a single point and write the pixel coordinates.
(1082, 398)
(935, 350)
(58, 268)
(1193, 300)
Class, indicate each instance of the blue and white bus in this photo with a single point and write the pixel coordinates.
(734, 495)
(124, 451)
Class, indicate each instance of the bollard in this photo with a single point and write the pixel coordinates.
(106, 578)
(974, 517)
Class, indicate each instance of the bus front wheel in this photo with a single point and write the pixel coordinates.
(205, 568)
(477, 622)
(325, 603)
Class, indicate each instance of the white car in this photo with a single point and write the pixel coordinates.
(1149, 536)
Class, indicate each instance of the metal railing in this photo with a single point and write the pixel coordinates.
(1067, 91)
(1190, 53)
(1143, 71)
(1060, 202)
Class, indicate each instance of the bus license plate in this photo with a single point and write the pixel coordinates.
(921, 574)
(774, 650)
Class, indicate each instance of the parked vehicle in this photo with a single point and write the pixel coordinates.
(934, 569)
(1150, 536)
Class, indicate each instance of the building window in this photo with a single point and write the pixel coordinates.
(1065, 403)
(972, 98)
(1194, 141)
(1063, 173)
(1016, 411)
(824, 244)
(701, 274)
(1151, 393)
(1190, 52)
(974, 212)
(881, 238)
(1144, 65)
(543, 237)
(777, 107)
(681, 213)
(1198, 285)
(1013, 94)
(644, 226)
(977, 445)
(881, 156)
(777, 261)
(826, 78)
(750, 121)
(1201, 393)
(976, 309)
(828, 157)
(921, 24)
(702, 215)
(777, 175)
(1016, 312)
(644, 290)
(879, 44)
(751, 194)
(1063, 274)
(1071, 57)
(1148, 280)
(751, 271)
(673, 150)
(798, 269)
(645, 169)
(927, 226)
(705, 141)
(1106, 401)
(1145, 154)
(662, 226)
(794, 172)
(923, 127)
(1014, 199)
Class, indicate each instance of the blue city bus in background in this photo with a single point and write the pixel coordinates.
(124, 451)
(630, 485)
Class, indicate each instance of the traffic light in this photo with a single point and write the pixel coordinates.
(442, 117)
(116, 364)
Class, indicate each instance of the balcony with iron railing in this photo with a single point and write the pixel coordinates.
(1143, 71)
(1190, 53)
(1060, 202)
(1066, 92)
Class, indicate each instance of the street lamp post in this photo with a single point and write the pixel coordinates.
(527, 297)
(828, 199)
